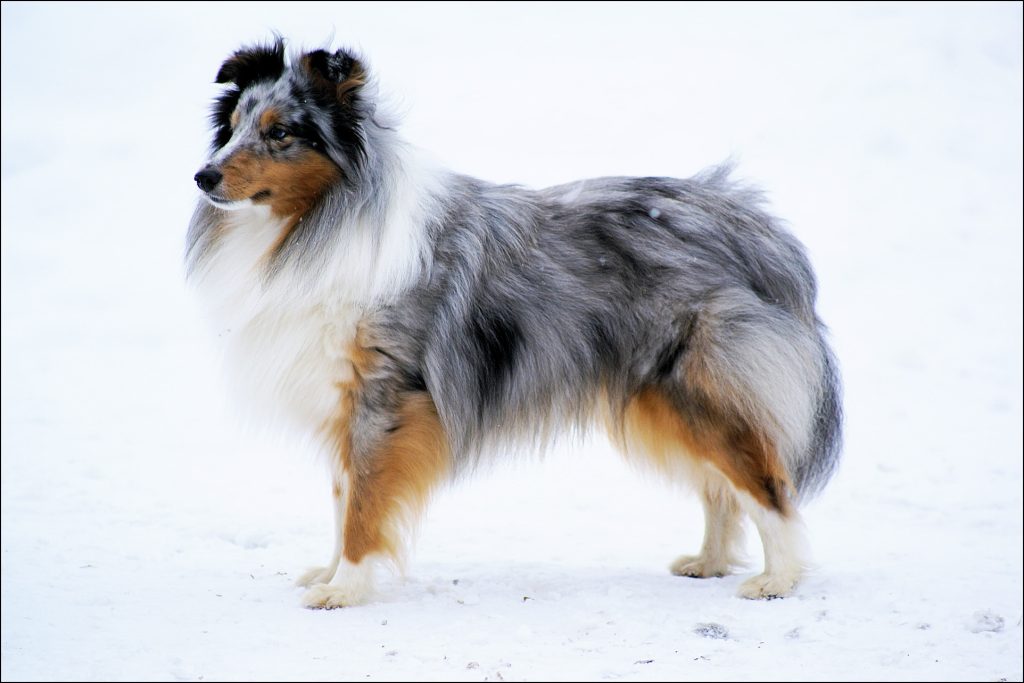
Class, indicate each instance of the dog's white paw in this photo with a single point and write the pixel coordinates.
(329, 596)
(315, 575)
(351, 585)
(699, 567)
(768, 586)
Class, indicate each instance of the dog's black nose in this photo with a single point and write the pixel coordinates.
(208, 178)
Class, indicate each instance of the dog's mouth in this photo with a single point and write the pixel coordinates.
(228, 204)
(234, 204)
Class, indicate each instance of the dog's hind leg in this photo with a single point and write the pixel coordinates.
(746, 391)
(739, 399)
(723, 533)
(739, 471)
(782, 535)
(653, 433)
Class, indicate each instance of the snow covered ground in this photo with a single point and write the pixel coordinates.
(147, 534)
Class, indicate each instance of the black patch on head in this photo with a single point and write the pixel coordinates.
(498, 341)
(334, 68)
(334, 85)
(304, 126)
(305, 129)
(245, 67)
(252, 64)
(220, 116)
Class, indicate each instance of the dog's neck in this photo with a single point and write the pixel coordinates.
(366, 241)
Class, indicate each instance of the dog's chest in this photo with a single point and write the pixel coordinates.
(285, 350)
(288, 365)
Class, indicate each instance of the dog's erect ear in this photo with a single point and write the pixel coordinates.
(342, 72)
(253, 63)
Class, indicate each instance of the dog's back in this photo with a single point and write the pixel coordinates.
(541, 305)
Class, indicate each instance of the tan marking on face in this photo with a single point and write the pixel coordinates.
(236, 116)
(294, 184)
(241, 172)
(268, 118)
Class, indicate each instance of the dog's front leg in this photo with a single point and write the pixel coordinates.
(392, 451)
(315, 575)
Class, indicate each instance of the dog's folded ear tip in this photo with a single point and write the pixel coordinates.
(335, 67)
(253, 63)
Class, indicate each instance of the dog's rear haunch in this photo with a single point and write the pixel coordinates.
(416, 321)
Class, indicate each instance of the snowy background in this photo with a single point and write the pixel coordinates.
(148, 534)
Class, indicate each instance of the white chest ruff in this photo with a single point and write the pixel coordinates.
(284, 343)
(286, 339)
(287, 365)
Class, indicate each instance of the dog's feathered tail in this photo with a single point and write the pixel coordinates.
(766, 386)
(821, 458)
(767, 353)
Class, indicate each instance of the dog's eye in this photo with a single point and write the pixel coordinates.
(277, 133)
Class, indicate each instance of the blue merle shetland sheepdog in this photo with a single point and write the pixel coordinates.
(413, 320)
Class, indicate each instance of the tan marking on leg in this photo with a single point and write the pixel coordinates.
(723, 441)
(390, 487)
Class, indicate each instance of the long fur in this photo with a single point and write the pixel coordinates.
(412, 318)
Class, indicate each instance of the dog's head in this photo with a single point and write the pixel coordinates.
(284, 133)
